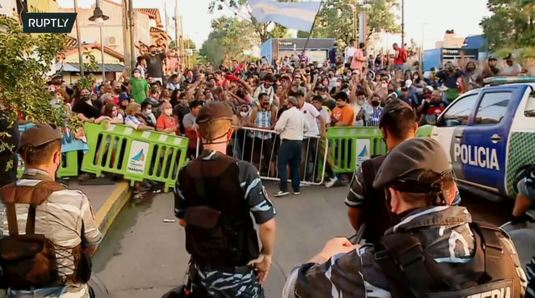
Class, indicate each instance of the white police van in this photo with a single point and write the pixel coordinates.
(489, 134)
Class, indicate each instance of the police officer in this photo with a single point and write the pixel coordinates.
(367, 207)
(214, 199)
(48, 208)
(434, 250)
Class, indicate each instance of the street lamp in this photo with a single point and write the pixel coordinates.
(99, 17)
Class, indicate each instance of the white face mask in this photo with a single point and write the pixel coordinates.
(137, 75)
(243, 114)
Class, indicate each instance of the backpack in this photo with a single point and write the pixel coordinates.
(413, 273)
(27, 261)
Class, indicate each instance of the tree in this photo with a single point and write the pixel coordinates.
(25, 61)
(229, 38)
(511, 25)
(241, 9)
(336, 17)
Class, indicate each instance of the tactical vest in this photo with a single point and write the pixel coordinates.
(29, 261)
(376, 210)
(219, 228)
(413, 273)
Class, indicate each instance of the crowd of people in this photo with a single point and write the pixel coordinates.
(350, 90)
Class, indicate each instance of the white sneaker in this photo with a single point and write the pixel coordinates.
(281, 194)
(331, 182)
(297, 193)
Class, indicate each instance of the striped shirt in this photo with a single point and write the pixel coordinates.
(263, 120)
(59, 219)
(374, 117)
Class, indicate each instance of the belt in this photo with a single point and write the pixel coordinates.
(287, 140)
(227, 269)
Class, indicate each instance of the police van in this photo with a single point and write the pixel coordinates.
(490, 134)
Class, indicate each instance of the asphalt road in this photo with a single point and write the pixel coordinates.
(144, 257)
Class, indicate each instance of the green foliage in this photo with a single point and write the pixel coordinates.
(336, 17)
(25, 59)
(512, 24)
(229, 38)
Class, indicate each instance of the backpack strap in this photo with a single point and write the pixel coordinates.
(492, 248)
(13, 194)
(404, 262)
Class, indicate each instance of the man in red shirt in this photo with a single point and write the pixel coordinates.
(400, 57)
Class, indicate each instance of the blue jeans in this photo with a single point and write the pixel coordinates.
(289, 153)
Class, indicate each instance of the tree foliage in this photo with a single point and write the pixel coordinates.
(336, 17)
(230, 36)
(25, 60)
(512, 23)
(241, 10)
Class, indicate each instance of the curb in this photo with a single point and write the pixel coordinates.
(114, 204)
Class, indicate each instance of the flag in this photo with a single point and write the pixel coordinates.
(299, 15)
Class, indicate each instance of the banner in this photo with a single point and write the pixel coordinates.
(298, 16)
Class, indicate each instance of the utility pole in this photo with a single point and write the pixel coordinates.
(403, 23)
(132, 28)
(79, 41)
(126, 38)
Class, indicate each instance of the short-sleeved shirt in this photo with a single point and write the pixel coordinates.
(311, 116)
(345, 115)
(154, 65)
(255, 195)
(60, 219)
(165, 122)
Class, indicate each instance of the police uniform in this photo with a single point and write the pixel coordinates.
(445, 235)
(216, 195)
(65, 219)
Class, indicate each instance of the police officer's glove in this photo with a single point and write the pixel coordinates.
(515, 220)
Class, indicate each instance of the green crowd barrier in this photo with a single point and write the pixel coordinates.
(136, 155)
(350, 146)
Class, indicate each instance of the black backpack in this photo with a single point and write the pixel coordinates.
(27, 261)
(412, 273)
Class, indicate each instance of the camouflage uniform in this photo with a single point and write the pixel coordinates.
(357, 274)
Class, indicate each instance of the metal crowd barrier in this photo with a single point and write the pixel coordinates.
(424, 131)
(350, 146)
(69, 162)
(136, 155)
(260, 147)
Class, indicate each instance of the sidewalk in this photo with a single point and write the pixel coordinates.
(106, 200)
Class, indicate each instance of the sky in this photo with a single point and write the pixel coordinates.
(427, 18)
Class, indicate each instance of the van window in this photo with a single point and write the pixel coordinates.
(459, 112)
(530, 106)
(493, 107)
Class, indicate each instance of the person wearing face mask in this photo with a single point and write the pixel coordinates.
(84, 107)
(374, 113)
(71, 237)
(146, 111)
(139, 87)
(167, 122)
(433, 250)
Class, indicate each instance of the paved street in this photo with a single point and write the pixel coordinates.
(144, 257)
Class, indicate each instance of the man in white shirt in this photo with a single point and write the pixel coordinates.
(292, 127)
(310, 144)
(349, 52)
(511, 68)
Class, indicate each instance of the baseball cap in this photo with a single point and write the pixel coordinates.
(214, 111)
(40, 135)
(413, 166)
